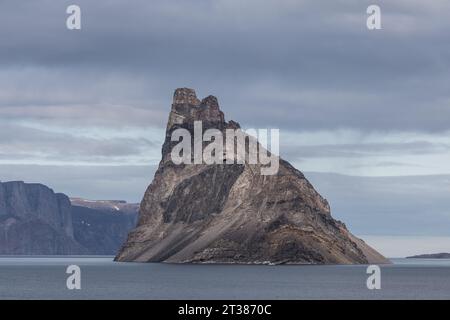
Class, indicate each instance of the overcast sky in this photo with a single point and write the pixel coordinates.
(84, 111)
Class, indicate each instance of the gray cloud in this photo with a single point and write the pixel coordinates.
(412, 205)
(24, 143)
(90, 182)
(308, 65)
(364, 150)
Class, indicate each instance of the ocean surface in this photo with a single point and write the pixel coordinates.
(101, 278)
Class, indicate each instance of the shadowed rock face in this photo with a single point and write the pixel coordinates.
(230, 213)
(102, 231)
(36, 221)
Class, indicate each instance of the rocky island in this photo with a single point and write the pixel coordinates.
(231, 213)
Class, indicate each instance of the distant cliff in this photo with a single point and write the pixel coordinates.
(442, 255)
(102, 226)
(34, 220)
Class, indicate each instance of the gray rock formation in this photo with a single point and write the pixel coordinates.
(36, 221)
(230, 213)
(102, 226)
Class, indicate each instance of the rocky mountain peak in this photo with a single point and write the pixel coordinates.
(230, 212)
(187, 108)
(185, 96)
(210, 102)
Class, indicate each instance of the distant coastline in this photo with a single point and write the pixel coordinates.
(442, 255)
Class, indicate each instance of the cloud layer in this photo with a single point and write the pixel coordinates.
(308, 65)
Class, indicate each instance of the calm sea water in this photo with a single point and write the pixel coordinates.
(101, 278)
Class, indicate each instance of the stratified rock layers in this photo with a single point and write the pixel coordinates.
(230, 213)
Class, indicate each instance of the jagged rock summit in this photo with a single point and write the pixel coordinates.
(231, 213)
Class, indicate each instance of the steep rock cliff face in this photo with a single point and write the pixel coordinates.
(36, 221)
(231, 213)
(102, 230)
